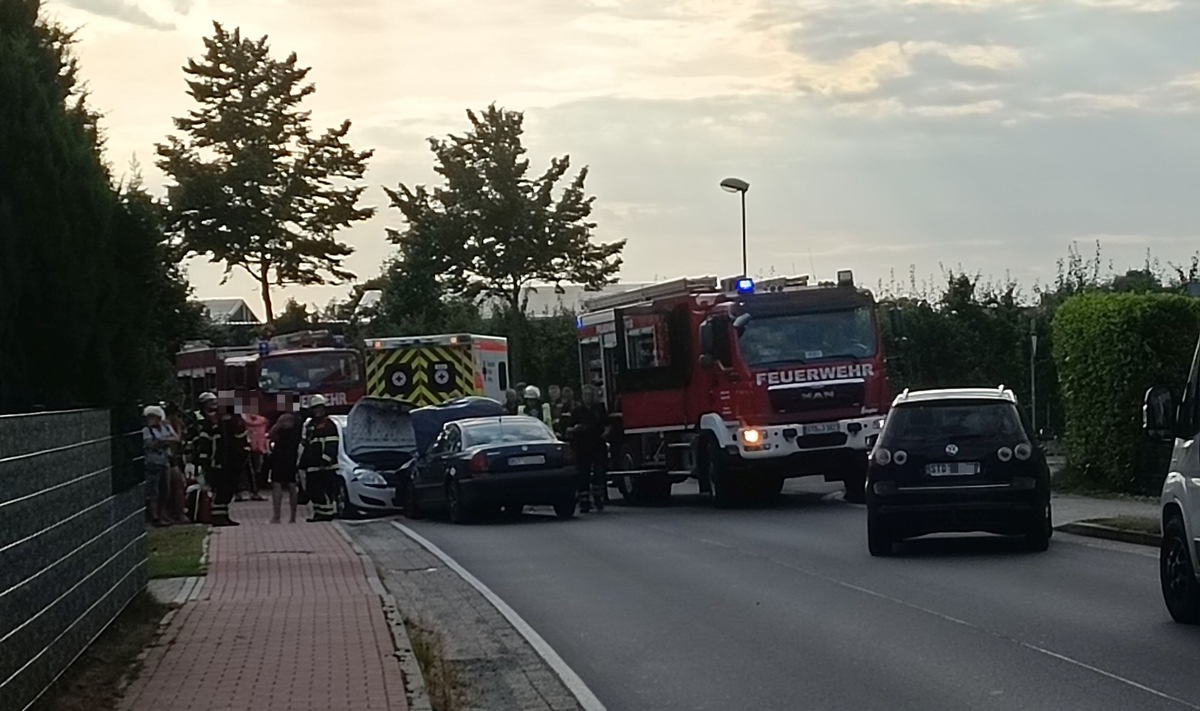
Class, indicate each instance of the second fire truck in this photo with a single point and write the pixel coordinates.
(739, 385)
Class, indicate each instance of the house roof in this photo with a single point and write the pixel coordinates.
(548, 300)
(230, 311)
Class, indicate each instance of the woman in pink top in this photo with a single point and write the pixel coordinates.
(256, 432)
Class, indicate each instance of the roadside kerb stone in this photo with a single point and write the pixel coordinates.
(1111, 533)
(502, 670)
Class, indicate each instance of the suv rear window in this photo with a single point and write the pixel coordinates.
(955, 419)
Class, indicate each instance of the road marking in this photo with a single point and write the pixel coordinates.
(569, 678)
(971, 626)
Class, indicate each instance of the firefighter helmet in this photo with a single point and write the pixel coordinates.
(317, 401)
(532, 393)
(206, 398)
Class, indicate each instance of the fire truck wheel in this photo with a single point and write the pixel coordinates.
(712, 462)
(627, 485)
(856, 484)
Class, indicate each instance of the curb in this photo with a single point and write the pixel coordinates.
(1095, 530)
(414, 681)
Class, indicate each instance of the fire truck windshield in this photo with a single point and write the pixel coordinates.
(308, 372)
(808, 337)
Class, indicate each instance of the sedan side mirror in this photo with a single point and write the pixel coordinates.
(1158, 413)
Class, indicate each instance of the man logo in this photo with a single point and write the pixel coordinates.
(952, 449)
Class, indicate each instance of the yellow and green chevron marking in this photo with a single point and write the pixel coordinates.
(422, 375)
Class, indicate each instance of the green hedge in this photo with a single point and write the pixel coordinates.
(1109, 348)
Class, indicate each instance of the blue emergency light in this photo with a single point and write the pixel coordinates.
(745, 285)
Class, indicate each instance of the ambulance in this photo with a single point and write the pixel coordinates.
(430, 370)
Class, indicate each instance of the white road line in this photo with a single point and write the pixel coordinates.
(569, 678)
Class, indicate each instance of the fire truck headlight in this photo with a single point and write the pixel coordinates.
(751, 436)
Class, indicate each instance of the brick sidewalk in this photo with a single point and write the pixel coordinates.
(286, 622)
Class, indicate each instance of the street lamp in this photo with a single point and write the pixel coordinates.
(737, 185)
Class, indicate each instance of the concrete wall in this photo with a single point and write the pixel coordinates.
(72, 542)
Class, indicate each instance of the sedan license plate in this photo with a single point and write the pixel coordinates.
(822, 428)
(952, 469)
(526, 461)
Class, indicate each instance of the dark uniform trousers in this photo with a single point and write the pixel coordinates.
(591, 476)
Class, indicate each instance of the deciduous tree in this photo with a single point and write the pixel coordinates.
(256, 188)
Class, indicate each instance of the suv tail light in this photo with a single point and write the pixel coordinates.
(479, 463)
(1023, 451)
(1004, 454)
(882, 457)
(900, 457)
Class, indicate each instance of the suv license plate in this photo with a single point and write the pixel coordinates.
(526, 461)
(822, 428)
(952, 469)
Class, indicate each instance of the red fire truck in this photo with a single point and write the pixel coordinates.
(739, 385)
(277, 375)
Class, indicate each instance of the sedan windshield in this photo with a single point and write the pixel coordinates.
(804, 338)
(506, 432)
(953, 420)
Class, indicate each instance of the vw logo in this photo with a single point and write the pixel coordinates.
(524, 449)
(952, 449)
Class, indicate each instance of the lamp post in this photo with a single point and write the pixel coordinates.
(737, 185)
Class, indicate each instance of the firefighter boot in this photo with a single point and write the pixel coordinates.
(585, 502)
(598, 493)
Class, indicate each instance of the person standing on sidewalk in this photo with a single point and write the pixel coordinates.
(223, 438)
(281, 464)
(320, 461)
(157, 439)
(589, 422)
(256, 431)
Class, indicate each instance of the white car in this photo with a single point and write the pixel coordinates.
(375, 452)
(1167, 419)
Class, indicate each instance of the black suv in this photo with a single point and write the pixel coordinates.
(956, 460)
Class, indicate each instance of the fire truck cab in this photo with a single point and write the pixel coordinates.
(275, 376)
(739, 385)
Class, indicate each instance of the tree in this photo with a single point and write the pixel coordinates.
(92, 300)
(255, 188)
(490, 229)
(295, 317)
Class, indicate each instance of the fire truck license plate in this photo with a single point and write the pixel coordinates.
(821, 428)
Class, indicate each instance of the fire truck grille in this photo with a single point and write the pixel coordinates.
(832, 439)
(842, 396)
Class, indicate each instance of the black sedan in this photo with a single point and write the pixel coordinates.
(487, 464)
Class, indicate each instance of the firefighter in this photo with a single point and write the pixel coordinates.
(589, 422)
(534, 407)
(197, 457)
(223, 442)
(320, 461)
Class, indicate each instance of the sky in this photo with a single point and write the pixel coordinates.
(882, 136)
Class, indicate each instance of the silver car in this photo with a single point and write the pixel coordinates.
(375, 453)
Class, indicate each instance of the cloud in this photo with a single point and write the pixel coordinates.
(124, 11)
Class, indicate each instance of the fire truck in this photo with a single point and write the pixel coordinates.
(275, 376)
(739, 385)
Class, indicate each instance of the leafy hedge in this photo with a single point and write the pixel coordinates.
(1109, 348)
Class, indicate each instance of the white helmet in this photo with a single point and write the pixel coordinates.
(206, 398)
(532, 393)
(155, 411)
(317, 401)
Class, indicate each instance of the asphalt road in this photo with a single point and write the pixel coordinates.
(781, 607)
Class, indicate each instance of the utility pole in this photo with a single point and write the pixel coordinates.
(1033, 339)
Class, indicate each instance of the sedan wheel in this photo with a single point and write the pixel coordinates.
(459, 511)
(564, 508)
